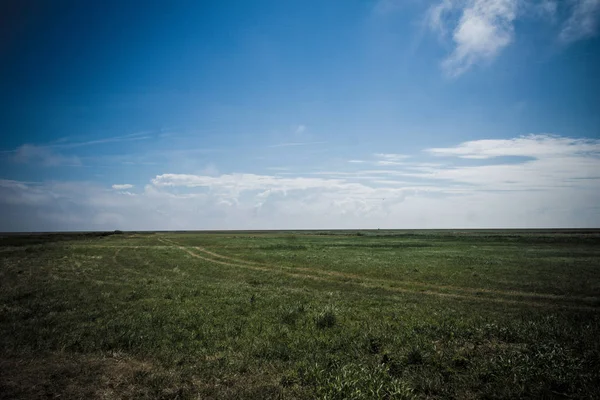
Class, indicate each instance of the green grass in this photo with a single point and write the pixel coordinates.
(301, 315)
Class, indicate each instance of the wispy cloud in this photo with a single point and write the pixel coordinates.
(45, 156)
(51, 155)
(114, 139)
(210, 169)
(390, 159)
(526, 146)
(437, 15)
(552, 162)
(546, 8)
(300, 129)
(122, 187)
(384, 159)
(583, 21)
(392, 156)
(291, 144)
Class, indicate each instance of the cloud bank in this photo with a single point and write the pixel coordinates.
(553, 182)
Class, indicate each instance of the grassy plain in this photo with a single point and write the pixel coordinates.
(301, 315)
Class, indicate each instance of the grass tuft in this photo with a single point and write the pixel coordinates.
(326, 318)
(291, 314)
(414, 356)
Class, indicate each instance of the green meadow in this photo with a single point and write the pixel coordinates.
(301, 315)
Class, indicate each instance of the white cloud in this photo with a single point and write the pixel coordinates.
(553, 162)
(526, 146)
(236, 183)
(483, 30)
(544, 174)
(583, 21)
(122, 187)
(300, 129)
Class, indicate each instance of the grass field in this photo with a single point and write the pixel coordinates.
(301, 315)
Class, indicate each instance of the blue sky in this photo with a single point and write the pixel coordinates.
(300, 114)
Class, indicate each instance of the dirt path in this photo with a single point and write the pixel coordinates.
(369, 283)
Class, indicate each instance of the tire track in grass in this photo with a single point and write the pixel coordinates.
(228, 261)
(426, 286)
(117, 263)
(117, 246)
(251, 267)
(86, 277)
(122, 266)
(113, 281)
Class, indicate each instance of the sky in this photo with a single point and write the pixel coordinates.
(299, 114)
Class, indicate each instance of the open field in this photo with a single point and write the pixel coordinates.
(286, 315)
